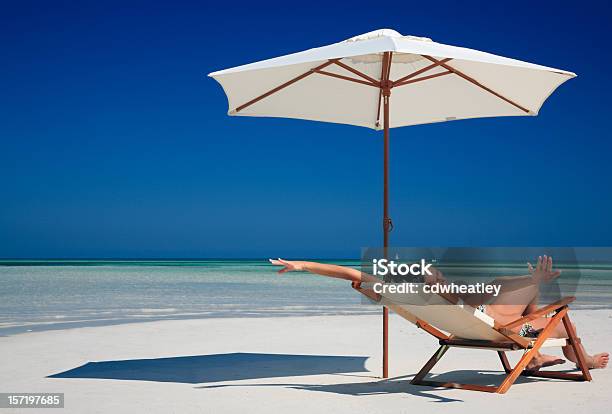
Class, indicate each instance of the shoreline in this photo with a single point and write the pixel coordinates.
(8, 329)
(59, 326)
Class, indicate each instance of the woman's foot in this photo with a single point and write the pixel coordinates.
(542, 360)
(598, 361)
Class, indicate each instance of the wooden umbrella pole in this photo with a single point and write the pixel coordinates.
(386, 233)
(387, 224)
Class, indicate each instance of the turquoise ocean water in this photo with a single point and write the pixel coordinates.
(40, 295)
(56, 294)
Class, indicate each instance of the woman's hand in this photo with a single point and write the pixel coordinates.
(543, 271)
(289, 266)
(435, 277)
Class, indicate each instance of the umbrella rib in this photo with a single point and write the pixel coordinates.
(378, 112)
(423, 70)
(356, 72)
(389, 66)
(383, 72)
(475, 82)
(348, 78)
(435, 75)
(282, 86)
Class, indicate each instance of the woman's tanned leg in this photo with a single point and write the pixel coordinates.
(595, 361)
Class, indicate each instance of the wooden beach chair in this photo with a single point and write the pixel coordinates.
(455, 324)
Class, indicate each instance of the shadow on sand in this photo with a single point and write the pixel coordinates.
(399, 385)
(217, 367)
(200, 369)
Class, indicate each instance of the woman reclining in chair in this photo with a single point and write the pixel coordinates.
(523, 290)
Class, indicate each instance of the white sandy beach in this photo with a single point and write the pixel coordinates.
(170, 366)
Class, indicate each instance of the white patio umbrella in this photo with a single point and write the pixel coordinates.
(383, 75)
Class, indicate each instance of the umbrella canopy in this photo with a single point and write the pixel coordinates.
(431, 82)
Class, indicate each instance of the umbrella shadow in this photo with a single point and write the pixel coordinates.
(217, 367)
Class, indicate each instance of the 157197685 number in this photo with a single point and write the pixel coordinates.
(27, 399)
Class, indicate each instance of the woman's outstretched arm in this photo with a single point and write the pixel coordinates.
(339, 272)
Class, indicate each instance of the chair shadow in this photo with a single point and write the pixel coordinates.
(217, 367)
(396, 385)
(481, 377)
(399, 385)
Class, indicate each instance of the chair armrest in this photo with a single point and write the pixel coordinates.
(540, 312)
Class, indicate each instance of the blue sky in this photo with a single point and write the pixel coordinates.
(114, 143)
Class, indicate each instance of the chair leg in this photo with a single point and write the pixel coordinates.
(430, 364)
(553, 374)
(418, 378)
(520, 366)
(504, 361)
(578, 350)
